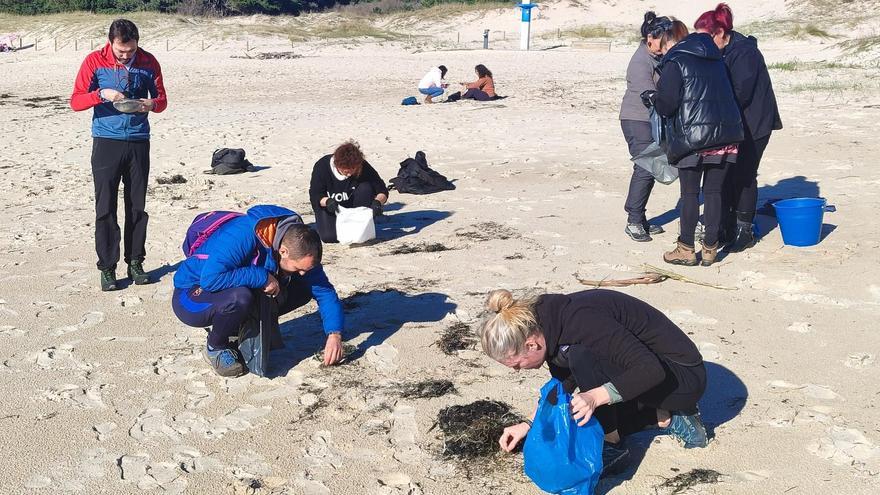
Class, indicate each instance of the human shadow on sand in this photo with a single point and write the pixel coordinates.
(792, 187)
(725, 397)
(377, 313)
(404, 223)
(156, 275)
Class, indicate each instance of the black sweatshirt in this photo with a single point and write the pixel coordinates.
(325, 184)
(752, 86)
(626, 332)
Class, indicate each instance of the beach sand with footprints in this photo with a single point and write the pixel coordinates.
(108, 392)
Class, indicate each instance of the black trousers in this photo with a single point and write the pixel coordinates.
(712, 178)
(638, 137)
(476, 94)
(741, 184)
(114, 161)
(363, 195)
(679, 392)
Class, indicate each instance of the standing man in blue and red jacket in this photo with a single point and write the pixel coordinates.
(268, 250)
(121, 146)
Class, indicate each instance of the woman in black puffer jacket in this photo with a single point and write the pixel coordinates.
(702, 132)
(760, 114)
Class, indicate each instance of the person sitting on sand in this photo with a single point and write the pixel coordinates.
(483, 89)
(344, 179)
(633, 367)
(432, 84)
(268, 250)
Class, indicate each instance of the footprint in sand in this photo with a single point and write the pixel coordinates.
(84, 398)
(397, 483)
(199, 395)
(242, 418)
(151, 425)
(809, 389)
(383, 357)
(859, 360)
(250, 466)
(847, 446)
(404, 430)
(165, 476)
(88, 320)
(321, 451)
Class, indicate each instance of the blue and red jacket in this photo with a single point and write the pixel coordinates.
(234, 256)
(100, 70)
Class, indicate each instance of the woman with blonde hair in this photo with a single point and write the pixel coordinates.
(632, 366)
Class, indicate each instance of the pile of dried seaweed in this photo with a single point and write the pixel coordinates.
(455, 338)
(472, 430)
(174, 179)
(487, 231)
(418, 248)
(347, 350)
(426, 389)
(684, 481)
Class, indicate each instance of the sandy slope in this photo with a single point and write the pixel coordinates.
(106, 393)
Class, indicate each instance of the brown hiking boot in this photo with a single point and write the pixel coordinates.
(681, 255)
(709, 253)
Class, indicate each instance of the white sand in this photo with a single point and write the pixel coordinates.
(107, 393)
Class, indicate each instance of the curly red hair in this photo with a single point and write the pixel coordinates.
(348, 157)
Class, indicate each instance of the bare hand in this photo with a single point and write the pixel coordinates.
(512, 436)
(111, 94)
(583, 404)
(333, 349)
(272, 287)
(147, 105)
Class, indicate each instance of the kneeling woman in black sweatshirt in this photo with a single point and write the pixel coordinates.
(633, 367)
(344, 179)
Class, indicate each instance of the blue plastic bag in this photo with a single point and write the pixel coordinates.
(560, 456)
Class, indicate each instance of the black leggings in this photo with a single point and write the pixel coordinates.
(712, 177)
(679, 392)
(741, 184)
(363, 195)
(476, 94)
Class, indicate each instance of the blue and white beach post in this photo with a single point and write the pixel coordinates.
(525, 25)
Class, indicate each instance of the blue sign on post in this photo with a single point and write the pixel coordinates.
(525, 25)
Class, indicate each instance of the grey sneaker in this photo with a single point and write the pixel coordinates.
(636, 232)
(224, 361)
(653, 229)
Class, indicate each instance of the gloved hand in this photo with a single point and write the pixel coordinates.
(332, 206)
(377, 208)
(648, 97)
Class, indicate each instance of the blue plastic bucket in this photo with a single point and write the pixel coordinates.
(800, 220)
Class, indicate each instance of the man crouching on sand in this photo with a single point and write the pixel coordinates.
(230, 257)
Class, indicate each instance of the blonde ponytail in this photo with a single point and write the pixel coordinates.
(504, 331)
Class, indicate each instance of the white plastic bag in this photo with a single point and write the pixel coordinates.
(355, 225)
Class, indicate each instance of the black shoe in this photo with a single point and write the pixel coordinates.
(613, 458)
(652, 229)
(137, 274)
(744, 239)
(108, 279)
(636, 232)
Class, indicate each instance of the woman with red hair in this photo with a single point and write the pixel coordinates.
(760, 115)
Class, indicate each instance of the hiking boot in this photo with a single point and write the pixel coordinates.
(108, 279)
(688, 430)
(681, 255)
(652, 229)
(708, 253)
(224, 361)
(637, 232)
(613, 458)
(743, 239)
(137, 274)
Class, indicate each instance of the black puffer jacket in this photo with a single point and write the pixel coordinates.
(695, 94)
(752, 86)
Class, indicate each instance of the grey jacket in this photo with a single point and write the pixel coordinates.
(640, 76)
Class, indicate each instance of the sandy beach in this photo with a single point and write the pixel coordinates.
(108, 392)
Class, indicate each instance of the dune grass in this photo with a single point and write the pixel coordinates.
(800, 65)
(799, 31)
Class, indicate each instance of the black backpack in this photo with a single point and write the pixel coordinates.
(228, 161)
(416, 177)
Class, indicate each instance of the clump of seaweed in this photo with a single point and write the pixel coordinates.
(455, 338)
(418, 248)
(347, 350)
(426, 389)
(684, 481)
(472, 430)
(487, 231)
(174, 179)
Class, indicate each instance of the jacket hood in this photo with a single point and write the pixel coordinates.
(739, 41)
(696, 44)
(262, 212)
(549, 313)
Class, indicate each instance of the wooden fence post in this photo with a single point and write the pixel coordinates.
(167, 45)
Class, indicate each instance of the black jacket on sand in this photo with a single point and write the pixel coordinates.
(752, 86)
(695, 94)
(629, 334)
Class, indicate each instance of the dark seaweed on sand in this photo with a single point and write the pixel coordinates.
(174, 179)
(472, 430)
(455, 338)
(427, 389)
(487, 231)
(418, 248)
(684, 481)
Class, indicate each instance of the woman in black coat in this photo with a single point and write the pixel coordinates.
(760, 115)
(633, 367)
(702, 132)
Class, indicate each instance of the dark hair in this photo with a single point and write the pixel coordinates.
(720, 19)
(348, 156)
(123, 30)
(442, 70)
(301, 240)
(676, 32)
(482, 71)
(653, 25)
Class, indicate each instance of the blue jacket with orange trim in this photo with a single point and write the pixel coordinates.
(100, 70)
(234, 256)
